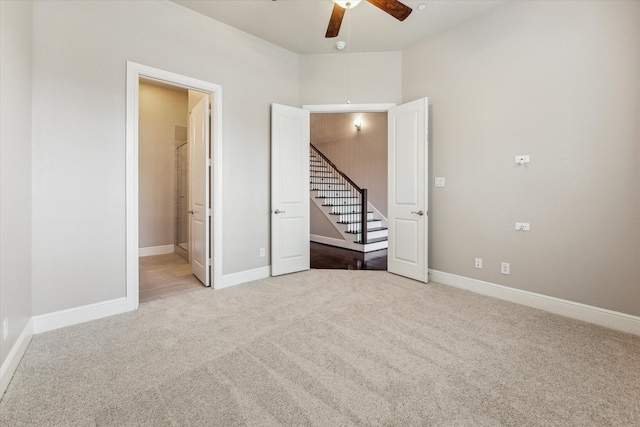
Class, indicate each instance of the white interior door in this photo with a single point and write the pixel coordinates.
(290, 217)
(199, 206)
(408, 210)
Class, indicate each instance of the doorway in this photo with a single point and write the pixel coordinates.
(355, 143)
(407, 183)
(209, 208)
(167, 265)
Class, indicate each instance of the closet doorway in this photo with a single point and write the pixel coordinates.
(168, 121)
(182, 149)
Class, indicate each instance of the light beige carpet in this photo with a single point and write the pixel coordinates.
(328, 348)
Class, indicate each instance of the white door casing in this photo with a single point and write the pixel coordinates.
(199, 206)
(134, 72)
(408, 210)
(290, 217)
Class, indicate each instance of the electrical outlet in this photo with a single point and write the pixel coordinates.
(5, 328)
(262, 252)
(505, 268)
(479, 263)
(439, 181)
(523, 226)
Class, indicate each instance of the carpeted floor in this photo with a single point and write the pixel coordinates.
(328, 348)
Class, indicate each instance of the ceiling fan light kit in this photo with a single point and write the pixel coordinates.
(347, 4)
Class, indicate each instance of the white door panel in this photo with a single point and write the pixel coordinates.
(407, 210)
(405, 243)
(290, 217)
(199, 190)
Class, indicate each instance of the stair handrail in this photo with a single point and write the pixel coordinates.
(362, 191)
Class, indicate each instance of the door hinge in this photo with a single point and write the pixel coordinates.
(209, 212)
(209, 262)
(209, 112)
(209, 162)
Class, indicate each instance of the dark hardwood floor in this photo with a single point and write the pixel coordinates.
(330, 257)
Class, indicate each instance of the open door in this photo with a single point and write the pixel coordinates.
(408, 210)
(199, 206)
(290, 217)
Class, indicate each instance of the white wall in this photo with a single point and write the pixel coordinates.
(160, 109)
(373, 78)
(15, 173)
(80, 51)
(559, 81)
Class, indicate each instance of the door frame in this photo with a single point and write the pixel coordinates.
(134, 72)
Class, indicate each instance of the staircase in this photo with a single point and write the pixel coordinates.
(342, 202)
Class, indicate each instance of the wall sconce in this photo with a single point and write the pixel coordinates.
(358, 124)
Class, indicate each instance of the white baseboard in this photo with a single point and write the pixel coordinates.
(156, 250)
(244, 277)
(73, 316)
(12, 361)
(575, 310)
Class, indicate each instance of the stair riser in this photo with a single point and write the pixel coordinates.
(355, 228)
(370, 247)
(324, 180)
(328, 188)
(335, 193)
(350, 220)
(345, 210)
(352, 217)
(321, 174)
(329, 201)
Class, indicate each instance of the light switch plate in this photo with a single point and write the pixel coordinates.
(439, 181)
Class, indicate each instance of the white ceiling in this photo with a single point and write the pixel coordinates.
(300, 25)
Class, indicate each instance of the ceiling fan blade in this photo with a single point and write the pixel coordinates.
(393, 7)
(334, 23)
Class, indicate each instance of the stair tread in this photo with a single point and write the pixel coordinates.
(369, 230)
(337, 197)
(356, 222)
(335, 206)
(376, 240)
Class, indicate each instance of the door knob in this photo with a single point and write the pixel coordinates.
(278, 211)
(191, 212)
(419, 213)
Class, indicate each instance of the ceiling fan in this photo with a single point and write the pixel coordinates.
(392, 7)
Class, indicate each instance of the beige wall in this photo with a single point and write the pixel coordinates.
(361, 155)
(15, 171)
(559, 81)
(80, 51)
(320, 225)
(374, 78)
(160, 110)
